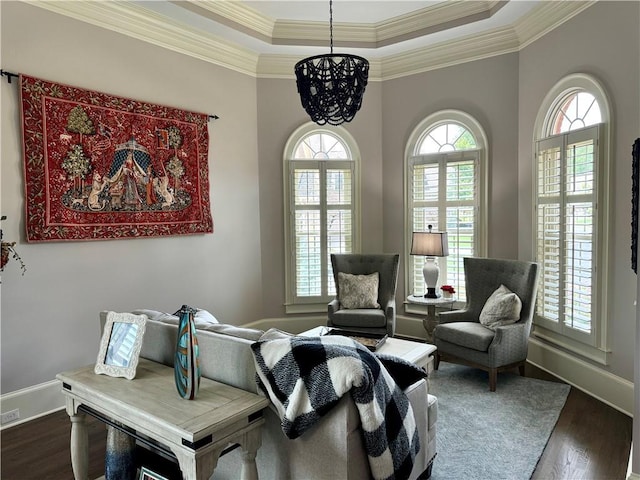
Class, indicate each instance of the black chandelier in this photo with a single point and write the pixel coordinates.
(331, 86)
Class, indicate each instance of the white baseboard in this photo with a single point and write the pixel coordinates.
(630, 474)
(605, 386)
(32, 402)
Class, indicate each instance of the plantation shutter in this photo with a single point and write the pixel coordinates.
(322, 206)
(566, 230)
(444, 193)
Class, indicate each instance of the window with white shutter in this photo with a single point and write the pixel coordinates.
(320, 197)
(445, 188)
(571, 171)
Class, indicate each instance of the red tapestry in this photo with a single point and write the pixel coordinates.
(103, 167)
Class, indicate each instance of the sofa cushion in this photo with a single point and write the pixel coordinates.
(467, 334)
(358, 291)
(217, 352)
(240, 332)
(275, 334)
(359, 317)
(204, 321)
(501, 308)
(432, 401)
(202, 318)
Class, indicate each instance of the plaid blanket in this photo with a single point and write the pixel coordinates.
(306, 376)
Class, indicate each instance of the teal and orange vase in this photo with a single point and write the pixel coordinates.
(186, 365)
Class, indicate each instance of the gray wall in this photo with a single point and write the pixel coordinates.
(50, 315)
(603, 41)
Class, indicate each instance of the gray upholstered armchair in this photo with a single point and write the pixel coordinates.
(462, 338)
(378, 320)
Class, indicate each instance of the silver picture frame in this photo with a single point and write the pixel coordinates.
(120, 345)
(147, 474)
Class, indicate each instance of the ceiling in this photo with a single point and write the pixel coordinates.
(266, 38)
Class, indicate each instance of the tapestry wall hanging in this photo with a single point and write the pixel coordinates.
(99, 167)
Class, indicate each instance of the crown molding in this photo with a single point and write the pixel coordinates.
(233, 14)
(355, 35)
(467, 49)
(545, 17)
(138, 22)
(473, 47)
(143, 24)
(537, 23)
(433, 19)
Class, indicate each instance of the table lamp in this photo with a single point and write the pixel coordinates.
(431, 245)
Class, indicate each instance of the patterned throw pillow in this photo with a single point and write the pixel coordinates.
(501, 308)
(358, 291)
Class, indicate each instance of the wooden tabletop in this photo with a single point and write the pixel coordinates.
(150, 403)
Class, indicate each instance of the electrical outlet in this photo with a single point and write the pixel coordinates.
(11, 416)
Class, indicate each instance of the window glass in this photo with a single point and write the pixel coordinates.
(448, 137)
(578, 110)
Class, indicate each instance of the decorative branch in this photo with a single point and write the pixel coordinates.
(8, 249)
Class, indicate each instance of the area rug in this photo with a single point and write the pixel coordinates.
(492, 435)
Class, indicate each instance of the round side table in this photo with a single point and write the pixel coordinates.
(431, 320)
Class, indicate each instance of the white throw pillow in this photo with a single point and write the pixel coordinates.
(358, 291)
(501, 308)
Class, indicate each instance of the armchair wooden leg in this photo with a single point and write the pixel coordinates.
(493, 379)
(521, 369)
(436, 363)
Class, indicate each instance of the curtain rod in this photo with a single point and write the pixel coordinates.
(9, 75)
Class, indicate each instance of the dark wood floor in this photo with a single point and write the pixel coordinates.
(591, 441)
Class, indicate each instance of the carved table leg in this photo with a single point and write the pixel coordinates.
(250, 444)
(197, 467)
(431, 322)
(79, 447)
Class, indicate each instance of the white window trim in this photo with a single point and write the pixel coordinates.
(599, 351)
(469, 122)
(291, 305)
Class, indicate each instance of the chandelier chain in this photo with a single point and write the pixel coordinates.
(331, 24)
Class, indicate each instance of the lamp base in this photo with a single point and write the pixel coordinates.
(431, 293)
(430, 271)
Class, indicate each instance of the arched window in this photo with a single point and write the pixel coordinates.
(571, 172)
(445, 187)
(321, 196)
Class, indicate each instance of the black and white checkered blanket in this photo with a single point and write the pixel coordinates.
(306, 376)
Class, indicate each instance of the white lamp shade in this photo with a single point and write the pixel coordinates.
(430, 244)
